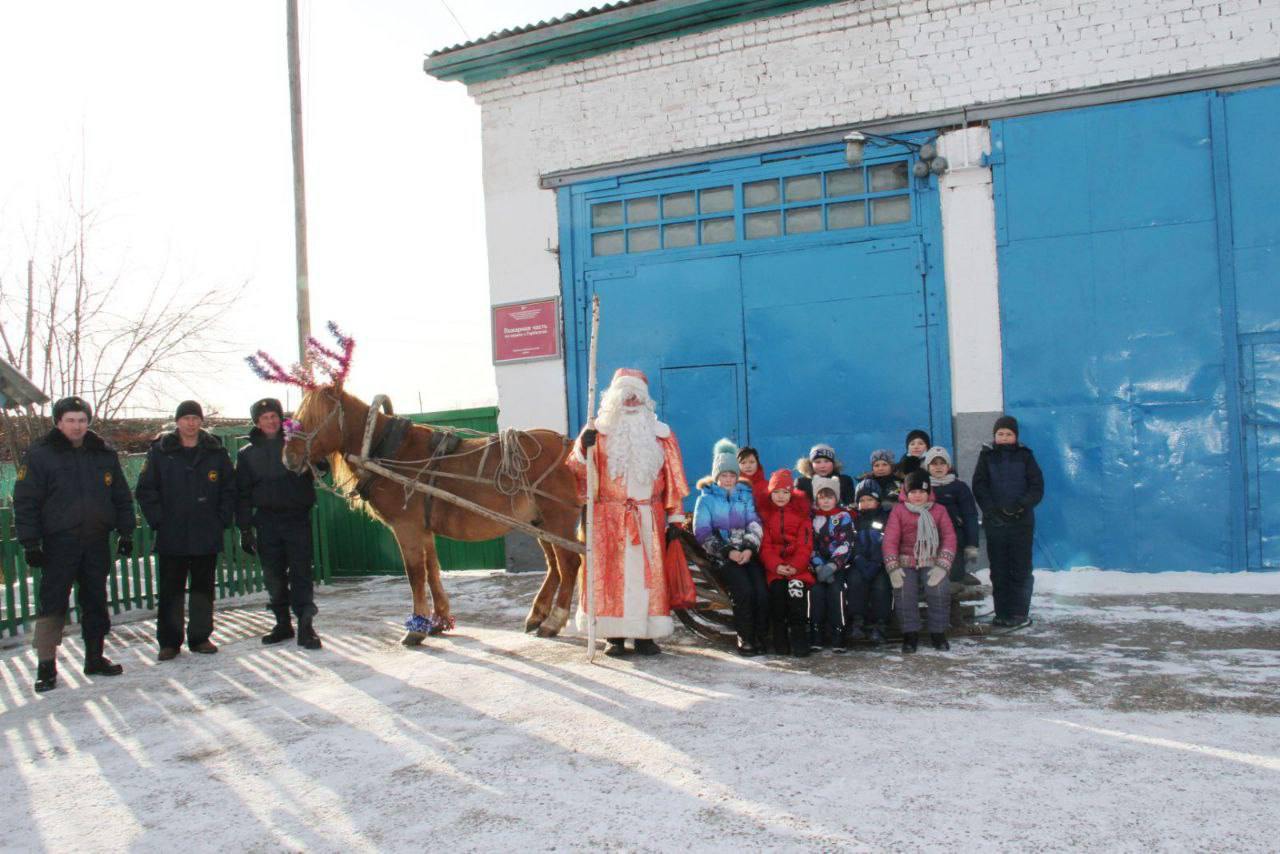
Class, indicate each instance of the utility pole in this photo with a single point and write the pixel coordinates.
(299, 181)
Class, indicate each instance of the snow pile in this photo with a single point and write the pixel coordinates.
(1115, 735)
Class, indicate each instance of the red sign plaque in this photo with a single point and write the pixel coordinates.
(524, 331)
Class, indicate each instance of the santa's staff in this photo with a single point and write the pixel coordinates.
(593, 478)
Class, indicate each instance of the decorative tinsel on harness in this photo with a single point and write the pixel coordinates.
(335, 363)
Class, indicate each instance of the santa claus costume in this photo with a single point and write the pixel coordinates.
(641, 490)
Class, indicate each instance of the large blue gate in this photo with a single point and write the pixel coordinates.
(779, 300)
(1139, 289)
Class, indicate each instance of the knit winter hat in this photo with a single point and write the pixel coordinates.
(267, 404)
(71, 404)
(918, 434)
(918, 479)
(780, 479)
(821, 483)
(1005, 422)
(868, 486)
(822, 451)
(188, 407)
(883, 455)
(937, 452)
(724, 457)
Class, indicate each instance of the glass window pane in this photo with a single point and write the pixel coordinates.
(759, 193)
(803, 188)
(678, 204)
(889, 176)
(716, 200)
(642, 210)
(642, 239)
(718, 230)
(610, 213)
(608, 243)
(847, 215)
(767, 224)
(891, 209)
(846, 182)
(803, 220)
(680, 234)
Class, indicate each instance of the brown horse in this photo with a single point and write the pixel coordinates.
(330, 423)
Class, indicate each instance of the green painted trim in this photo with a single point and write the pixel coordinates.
(593, 35)
(447, 416)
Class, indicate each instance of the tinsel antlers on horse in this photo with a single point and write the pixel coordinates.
(518, 475)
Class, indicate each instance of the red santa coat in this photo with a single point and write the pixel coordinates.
(628, 541)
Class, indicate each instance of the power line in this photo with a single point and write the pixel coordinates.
(465, 34)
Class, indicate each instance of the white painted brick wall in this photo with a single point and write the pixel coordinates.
(858, 61)
(817, 68)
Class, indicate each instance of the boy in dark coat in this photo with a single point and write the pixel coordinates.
(869, 590)
(885, 474)
(187, 491)
(785, 551)
(1008, 484)
(954, 494)
(918, 443)
(822, 467)
(69, 495)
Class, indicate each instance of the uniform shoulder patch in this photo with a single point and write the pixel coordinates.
(213, 476)
(22, 472)
(107, 478)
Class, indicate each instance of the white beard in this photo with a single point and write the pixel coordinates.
(634, 449)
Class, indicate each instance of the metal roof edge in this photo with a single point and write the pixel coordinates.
(17, 389)
(1225, 77)
(599, 31)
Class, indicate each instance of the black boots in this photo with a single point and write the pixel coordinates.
(939, 641)
(799, 640)
(646, 646)
(46, 676)
(910, 641)
(747, 648)
(617, 647)
(97, 664)
(282, 632)
(307, 637)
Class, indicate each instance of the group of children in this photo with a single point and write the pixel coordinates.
(823, 559)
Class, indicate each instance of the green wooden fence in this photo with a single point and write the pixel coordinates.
(346, 542)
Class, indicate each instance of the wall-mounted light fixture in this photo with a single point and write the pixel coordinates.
(928, 159)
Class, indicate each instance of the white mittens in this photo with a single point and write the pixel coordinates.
(936, 575)
(896, 577)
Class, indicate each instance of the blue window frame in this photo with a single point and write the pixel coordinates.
(821, 200)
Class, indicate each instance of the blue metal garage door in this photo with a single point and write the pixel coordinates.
(1121, 240)
(779, 301)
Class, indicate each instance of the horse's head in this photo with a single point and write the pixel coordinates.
(317, 428)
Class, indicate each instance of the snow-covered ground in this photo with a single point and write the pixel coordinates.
(1139, 714)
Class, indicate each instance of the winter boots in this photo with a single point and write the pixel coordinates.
(939, 641)
(617, 647)
(283, 629)
(97, 664)
(307, 637)
(646, 646)
(910, 641)
(46, 676)
(799, 640)
(747, 648)
(875, 635)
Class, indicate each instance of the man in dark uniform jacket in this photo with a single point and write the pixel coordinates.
(187, 492)
(273, 511)
(69, 495)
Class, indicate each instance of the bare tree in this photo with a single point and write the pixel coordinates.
(112, 338)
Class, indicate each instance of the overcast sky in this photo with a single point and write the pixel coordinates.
(181, 110)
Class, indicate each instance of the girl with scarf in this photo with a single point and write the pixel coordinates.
(955, 495)
(919, 547)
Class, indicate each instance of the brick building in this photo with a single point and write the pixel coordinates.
(875, 215)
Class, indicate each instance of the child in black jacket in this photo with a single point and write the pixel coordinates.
(1008, 484)
(955, 495)
(870, 596)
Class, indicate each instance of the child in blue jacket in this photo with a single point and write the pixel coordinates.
(726, 525)
(870, 596)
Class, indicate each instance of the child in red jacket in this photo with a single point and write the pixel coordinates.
(919, 546)
(785, 551)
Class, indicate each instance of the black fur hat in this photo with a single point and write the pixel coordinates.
(261, 407)
(71, 404)
(918, 479)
